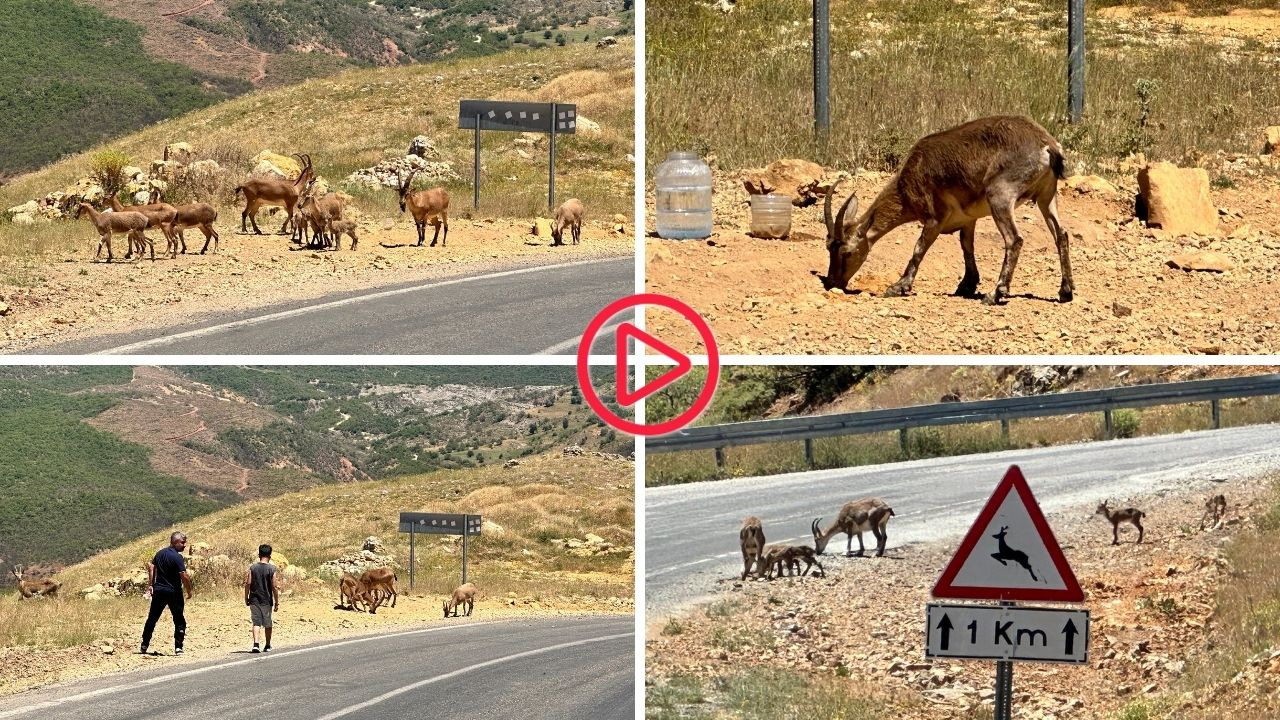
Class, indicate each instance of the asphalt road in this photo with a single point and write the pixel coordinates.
(691, 538)
(562, 669)
(537, 310)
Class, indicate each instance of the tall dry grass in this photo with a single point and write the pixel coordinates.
(739, 85)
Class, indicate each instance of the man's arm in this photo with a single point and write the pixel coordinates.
(275, 592)
(248, 585)
(186, 582)
(151, 577)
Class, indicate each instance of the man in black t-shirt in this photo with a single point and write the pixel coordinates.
(262, 595)
(167, 576)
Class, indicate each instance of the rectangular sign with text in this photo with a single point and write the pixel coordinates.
(518, 116)
(440, 523)
(991, 632)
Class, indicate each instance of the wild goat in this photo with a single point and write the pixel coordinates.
(789, 556)
(338, 228)
(751, 539)
(1130, 515)
(462, 595)
(569, 213)
(197, 215)
(111, 223)
(260, 191)
(856, 518)
(381, 583)
(322, 211)
(426, 206)
(159, 215)
(1215, 509)
(351, 591)
(949, 180)
(44, 587)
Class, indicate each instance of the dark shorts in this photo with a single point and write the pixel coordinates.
(261, 615)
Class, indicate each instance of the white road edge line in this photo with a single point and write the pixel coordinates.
(470, 668)
(197, 671)
(132, 347)
(573, 341)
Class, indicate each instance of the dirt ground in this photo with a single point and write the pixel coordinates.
(217, 626)
(73, 297)
(1152, 609)
(766, 297)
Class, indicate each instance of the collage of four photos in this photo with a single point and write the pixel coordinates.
(672, 359)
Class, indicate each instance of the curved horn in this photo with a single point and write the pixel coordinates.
(826, 209)
(853, 200)
(819, 544)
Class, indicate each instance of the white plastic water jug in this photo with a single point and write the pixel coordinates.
(683, 189)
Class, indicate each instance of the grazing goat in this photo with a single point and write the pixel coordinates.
(1215, 509)
(159, 215)
(338, 228)
(789, 556)
(856, 518)
(381, 582)
(462, 595)
(1130, 515)
(569, 213)
(351, 591)
(426, 206)
(751, 539)
(949, 180)
(111, 223)
(273, 191)
(44, 587)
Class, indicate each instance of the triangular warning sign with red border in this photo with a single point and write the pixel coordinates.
(1010, 553)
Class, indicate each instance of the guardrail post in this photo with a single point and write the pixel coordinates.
(1217, 413)
(902, 443)
(808, 453)
(1004, 431)
(1108, 429)
(719, 458)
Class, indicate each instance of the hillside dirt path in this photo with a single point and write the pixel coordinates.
(193, 8)
(261, 66)
(78, 298)
(1152, 608)
(766, 296)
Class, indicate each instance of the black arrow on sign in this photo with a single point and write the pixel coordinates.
(945, 626)
(1070, 631)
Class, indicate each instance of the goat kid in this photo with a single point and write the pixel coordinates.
(462, 595)
(1132, 516)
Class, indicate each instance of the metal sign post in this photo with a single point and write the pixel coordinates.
(551, 118)
(439, 524)
(821, 66)
(1075, 60)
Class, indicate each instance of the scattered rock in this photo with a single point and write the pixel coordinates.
(1091, 184)
(1120, 310)
(607, 41)
(511, 463)
(1207, 260)
(801, 179)
(573, 450)
(587, 127)
(422, 147)
(389, 173)
(1176, 199)
(372, 544)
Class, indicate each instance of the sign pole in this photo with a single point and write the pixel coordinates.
(1075, 60)
(412, 534)
(466, 521)
(1004, 685)
(475, 202)
(551, 165)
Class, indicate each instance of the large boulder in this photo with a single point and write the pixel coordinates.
(267, 163)
(803, 180)
(179, 152)
(1271, 140)
(389, 173)
(590, 128)
(1176, 199)
(606, 41)
(422, 147)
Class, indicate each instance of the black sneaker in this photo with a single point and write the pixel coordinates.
(255, 648)
(177, 651)
(266, 649)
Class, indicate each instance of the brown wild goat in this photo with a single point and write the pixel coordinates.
(160, 215)
(856, 518)
(381, 584)
(1215, 509)
(338, 228)
(751, 540)
(1130, 515)
(261, 191)
(427, 206)
(44, 587)
(112, 223)
(568, 214)
(351, 592)
(462, 595)
(197, 215)
(950, 180)
(322, 211)
(789, 556)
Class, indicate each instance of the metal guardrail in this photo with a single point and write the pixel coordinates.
(1003, 410)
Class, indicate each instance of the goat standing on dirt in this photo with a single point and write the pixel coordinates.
(113, 223)
(338, 228)
(159, 215)
(44, 587)
(1215, 509)
(462, 595)
(949, 180)
(351, 591)
(1130, 515)
(751, 540)
(856, 518)
(569, 213)
(426, 206)
(789, 556)
(261, 191)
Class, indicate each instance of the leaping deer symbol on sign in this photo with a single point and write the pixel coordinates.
(1008, 553)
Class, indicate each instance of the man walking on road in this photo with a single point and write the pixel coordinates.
(167, 576)
(262, 595)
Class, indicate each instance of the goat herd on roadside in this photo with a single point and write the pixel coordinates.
(371, 589)
(305, 209)
(872, 515)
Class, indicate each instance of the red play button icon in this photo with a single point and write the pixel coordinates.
(683, 364)
(626, 397)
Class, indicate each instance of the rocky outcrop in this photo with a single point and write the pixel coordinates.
(389, 173)
(804, 181)
(1176, 199)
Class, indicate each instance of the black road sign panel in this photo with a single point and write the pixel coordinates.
(440, 523)
(517, 116)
